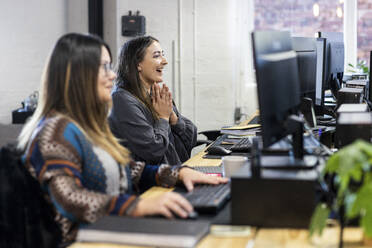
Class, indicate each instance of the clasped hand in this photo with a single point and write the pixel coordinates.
(162, 101)
(163, 104)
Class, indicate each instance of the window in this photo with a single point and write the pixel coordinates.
(364, 29)
(300, 17)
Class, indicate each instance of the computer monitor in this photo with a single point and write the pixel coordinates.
(305, 48)
(319, 82)
(278, 88)
(370, 77)
(334, 60)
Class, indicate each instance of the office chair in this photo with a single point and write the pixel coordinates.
(9, 133)
(26, 217)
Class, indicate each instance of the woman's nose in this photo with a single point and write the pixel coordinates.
(112, 75)
(164, 62)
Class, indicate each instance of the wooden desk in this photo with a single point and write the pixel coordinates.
(263, 238)
(198, 160)
(285, 238)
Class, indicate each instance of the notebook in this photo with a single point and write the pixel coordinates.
(144, 231)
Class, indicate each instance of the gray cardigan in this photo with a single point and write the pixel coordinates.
(149, 140)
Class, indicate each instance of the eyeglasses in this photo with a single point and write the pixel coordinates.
(107, 67)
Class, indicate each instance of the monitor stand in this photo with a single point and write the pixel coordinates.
(288, 162)
(293, 161)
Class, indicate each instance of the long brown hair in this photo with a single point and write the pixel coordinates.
(131, 54)
(69, 87)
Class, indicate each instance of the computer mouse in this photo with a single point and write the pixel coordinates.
(218, 150)
(193, 215)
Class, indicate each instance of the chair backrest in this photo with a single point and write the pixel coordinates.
(9, 133)
(26, 219)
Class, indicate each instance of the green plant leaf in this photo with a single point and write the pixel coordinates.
(352, 167)
(349, 204)
(349, 163)
(363, 206)
(333, 163)
(366, 223)
(360, 66)
(365, 146)
(318, 219)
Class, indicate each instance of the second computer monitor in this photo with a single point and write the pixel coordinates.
(334, 60)
(278, 84)
(305, 49)
(319, 83)
(370, 77)
(310, 58)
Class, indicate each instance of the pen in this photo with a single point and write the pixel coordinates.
(319, 133)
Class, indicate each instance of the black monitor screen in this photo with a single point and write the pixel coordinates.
(278, 84)
(334, 60)
(305, 49)
(370, 75)
(319, 85)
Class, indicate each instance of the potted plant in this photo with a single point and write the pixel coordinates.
(351, 172)
(361, 67)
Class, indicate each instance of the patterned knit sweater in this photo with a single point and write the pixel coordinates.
(82, 181)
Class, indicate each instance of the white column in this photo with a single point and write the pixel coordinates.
(350, 31)
(77, 16)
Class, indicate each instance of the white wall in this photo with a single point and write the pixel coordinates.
(199, 38)
(29, 30)
(205, 33)
(77, 16)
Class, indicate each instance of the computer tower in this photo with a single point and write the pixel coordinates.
(349, 95)
(278, 198)
(362, 84)
(352, 126)
(352, 108)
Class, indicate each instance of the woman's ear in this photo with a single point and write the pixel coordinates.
(139, 68)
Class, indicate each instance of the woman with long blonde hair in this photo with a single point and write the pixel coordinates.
(68, 146)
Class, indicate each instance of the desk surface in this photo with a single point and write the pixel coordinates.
(278, 238)
(267, 238)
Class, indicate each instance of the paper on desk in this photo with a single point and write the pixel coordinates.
(241, 132)
(241, 127)
(230, 231)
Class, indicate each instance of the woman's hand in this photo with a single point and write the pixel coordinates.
(162, 101)
(167, 204)
(173, 118)
(189, 177)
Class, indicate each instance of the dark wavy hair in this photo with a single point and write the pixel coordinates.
(131, 54)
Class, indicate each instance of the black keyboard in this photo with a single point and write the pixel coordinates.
(207, 198)
(217, 142)
(244, 145)
(255, 120)
(209, 169)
